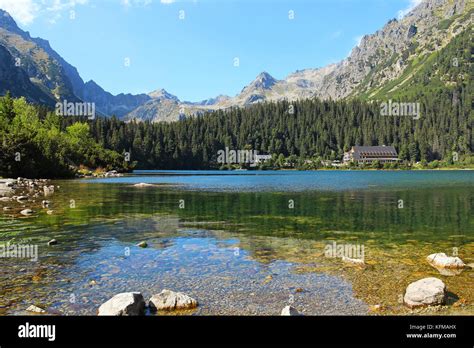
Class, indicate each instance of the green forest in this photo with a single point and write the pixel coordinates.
(315, 130)
(37, 143)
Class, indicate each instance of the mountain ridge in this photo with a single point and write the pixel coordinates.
(16, 81)
(380, 58)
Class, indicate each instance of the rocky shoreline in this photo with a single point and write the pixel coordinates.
(426, 295)
(91, 174)
(26, 196)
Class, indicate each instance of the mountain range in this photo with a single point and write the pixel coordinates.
(379, 66)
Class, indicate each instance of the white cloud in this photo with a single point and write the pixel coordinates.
(24, 11)
(411, 6)
(60, 5)
(130, 3)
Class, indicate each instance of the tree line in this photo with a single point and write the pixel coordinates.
(39, 143)
(305, 129)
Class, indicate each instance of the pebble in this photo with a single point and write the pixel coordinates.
(26, 212)
(290, 311)
(35, 309)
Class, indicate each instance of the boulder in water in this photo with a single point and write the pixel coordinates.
(124, 304)
(168, 300)
(445, 261)
(142, 184)
(425, 292)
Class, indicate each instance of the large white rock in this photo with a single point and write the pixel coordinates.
(425, 292)
(291, 311)
(142, 184)
(168, 300)
(445, 261)
(127, 303)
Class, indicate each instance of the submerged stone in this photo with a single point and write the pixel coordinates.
(425, 292)
(35, 309)
(26, 212)
(442, 260)
(142, 244)
(357, 262)
(375, 308)
(142, 184)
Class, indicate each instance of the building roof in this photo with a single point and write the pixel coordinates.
(378, 151)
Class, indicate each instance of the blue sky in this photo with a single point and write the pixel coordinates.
(193, 57)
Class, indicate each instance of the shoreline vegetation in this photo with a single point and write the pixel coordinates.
(37, 143)
(87, 173)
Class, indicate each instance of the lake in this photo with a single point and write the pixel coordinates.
(243, 242)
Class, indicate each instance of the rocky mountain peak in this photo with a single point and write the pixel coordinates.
(264, 81)
(16, 81)
(394, 49)
(162, 94)
(91, 85)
